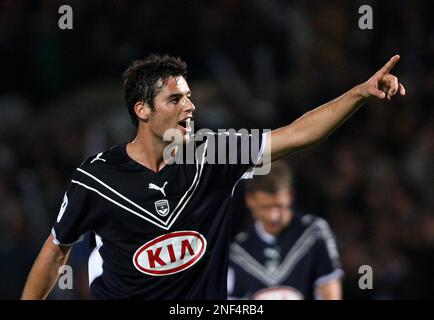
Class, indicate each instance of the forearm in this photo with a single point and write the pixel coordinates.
(330, 291)
(322, 121)
(45, 271)
(315, 125)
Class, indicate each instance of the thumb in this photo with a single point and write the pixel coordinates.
(373, 91)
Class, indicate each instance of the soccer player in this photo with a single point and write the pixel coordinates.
(161, 231)
(285, 254)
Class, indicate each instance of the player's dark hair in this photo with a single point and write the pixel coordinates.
(144, 79)
(279, 178)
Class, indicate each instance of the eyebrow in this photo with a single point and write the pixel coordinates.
(178, 95)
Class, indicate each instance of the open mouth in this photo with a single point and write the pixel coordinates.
(185, 124)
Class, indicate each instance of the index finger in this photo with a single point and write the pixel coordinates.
(389, 65)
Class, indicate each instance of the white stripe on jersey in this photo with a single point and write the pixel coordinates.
(118, 204)
(166, 225)
(95, 261)
(256, 269)
(250, 171)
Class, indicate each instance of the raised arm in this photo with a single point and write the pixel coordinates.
(45, 270)
(317, 124)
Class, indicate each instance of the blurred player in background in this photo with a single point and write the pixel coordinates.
(285, 254)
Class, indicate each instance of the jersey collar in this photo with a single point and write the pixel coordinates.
(264, 235)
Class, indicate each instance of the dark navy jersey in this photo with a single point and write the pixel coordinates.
(290, 266)
(156, 235)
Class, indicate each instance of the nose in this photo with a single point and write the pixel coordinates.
(189, 106)
(274, 215)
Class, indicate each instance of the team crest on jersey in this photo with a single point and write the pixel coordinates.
(162, 207)
(170, 253)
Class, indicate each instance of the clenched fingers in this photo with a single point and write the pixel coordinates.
(393, 85)
(401, 89)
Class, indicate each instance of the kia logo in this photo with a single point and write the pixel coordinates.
(170, 253)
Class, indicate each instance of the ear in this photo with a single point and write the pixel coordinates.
(142, 110)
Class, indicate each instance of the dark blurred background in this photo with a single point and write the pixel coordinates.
(252, 64)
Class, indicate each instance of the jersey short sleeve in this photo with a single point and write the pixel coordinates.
(73, 219)
(327, 264)
(238, 152)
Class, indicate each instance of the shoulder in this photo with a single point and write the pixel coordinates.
(325, 238)
(245, 240)
(101, 161)
(316, 224)
(242, 237)
(241, 249)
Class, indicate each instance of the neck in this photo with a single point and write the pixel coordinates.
(263, 234)
(147, 149)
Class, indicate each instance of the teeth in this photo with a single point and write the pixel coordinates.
(187, 122)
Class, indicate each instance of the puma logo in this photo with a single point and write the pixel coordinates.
(155, 187)
(98, 157)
